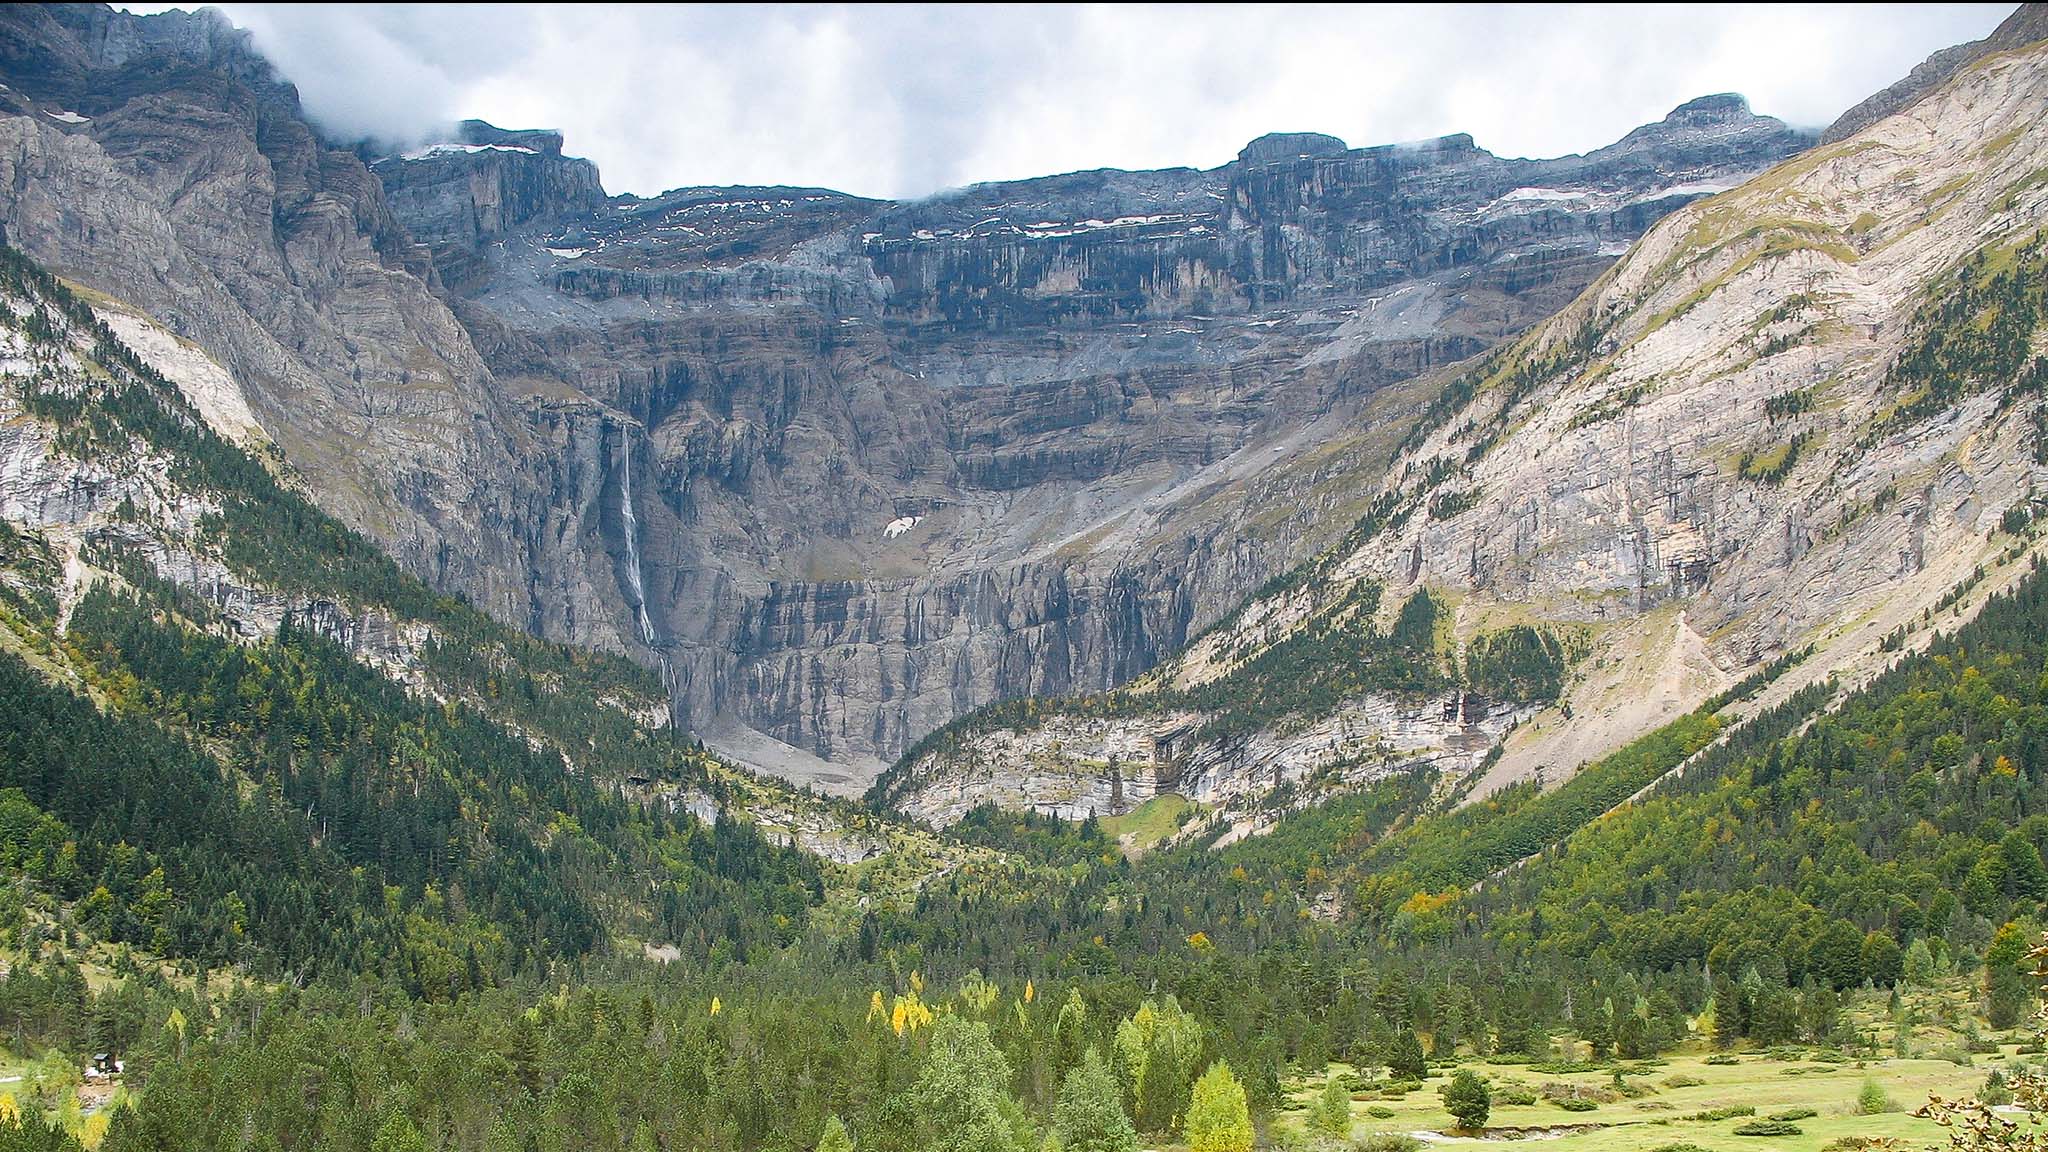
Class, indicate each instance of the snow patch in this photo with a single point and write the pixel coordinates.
(433, 150)
(64, 117)
(899, 526)
(1520, 195)
(1700, 189)
(568, 253)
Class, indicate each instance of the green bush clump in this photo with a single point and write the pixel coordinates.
(1728, 1113)
(1791, 1114)
(1768, 1128)
(1577, 1104)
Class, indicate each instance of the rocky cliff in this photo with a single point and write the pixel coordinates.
(159, 160)
(899, 460)
(1796, 428)
(844, 469)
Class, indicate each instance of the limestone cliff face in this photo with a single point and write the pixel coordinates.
(1771, 427)
(895, 461)
(845, 469)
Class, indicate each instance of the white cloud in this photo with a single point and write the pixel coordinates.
(902, 101)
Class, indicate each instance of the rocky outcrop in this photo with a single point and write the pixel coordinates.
(1075, 767)
(489, 181)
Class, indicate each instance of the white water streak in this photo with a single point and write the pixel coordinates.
(633, 574)
(635, 579)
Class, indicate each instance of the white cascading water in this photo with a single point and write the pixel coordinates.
(633, 537)
(635, 581)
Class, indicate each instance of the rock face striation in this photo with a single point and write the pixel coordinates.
(846, 469)
(1796, 429)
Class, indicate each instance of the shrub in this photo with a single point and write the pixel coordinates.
(1513, 1093)
(1995, 1091)
(1768, 1128)
(1681, 1080)
(1561, 1090)
(1728, 1113)
(1386, 1142)
(1380, 1112)
(1678, 1148)
(1873, 1099)
(1577, 1104)
(1791, 1114)
(1722, 1058)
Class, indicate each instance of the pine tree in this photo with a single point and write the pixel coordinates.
(1404, 1058)
(1468, 1099)
(1331, 1114)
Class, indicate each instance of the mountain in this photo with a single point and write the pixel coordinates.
(1797, 423)
(1098, 408)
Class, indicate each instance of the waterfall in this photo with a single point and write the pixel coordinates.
(635, 579)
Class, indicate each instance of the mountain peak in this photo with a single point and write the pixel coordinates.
(1719, 106)
(546, 141)
(1276, 146)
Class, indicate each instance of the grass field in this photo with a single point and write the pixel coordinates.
(1150, 823)
(1664, 1115)
(1663, 1106)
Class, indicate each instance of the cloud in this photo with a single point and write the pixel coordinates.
(903, 101)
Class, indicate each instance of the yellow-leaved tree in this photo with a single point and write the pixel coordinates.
(1218, 1118)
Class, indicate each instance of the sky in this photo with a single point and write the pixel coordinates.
(902, 102)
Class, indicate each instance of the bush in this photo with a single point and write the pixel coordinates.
(1577, 1104)
(1681, 1080)
(1995, 1092)
(1722, 1058)
(1506, 1094)
(1791, 1114)
(1728, 1113)
(1678, 1148)
(1380, 1112)
(1768, 1128)
(1873, 1100)
(1386, 1142)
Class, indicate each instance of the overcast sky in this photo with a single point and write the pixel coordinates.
(902, 102)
